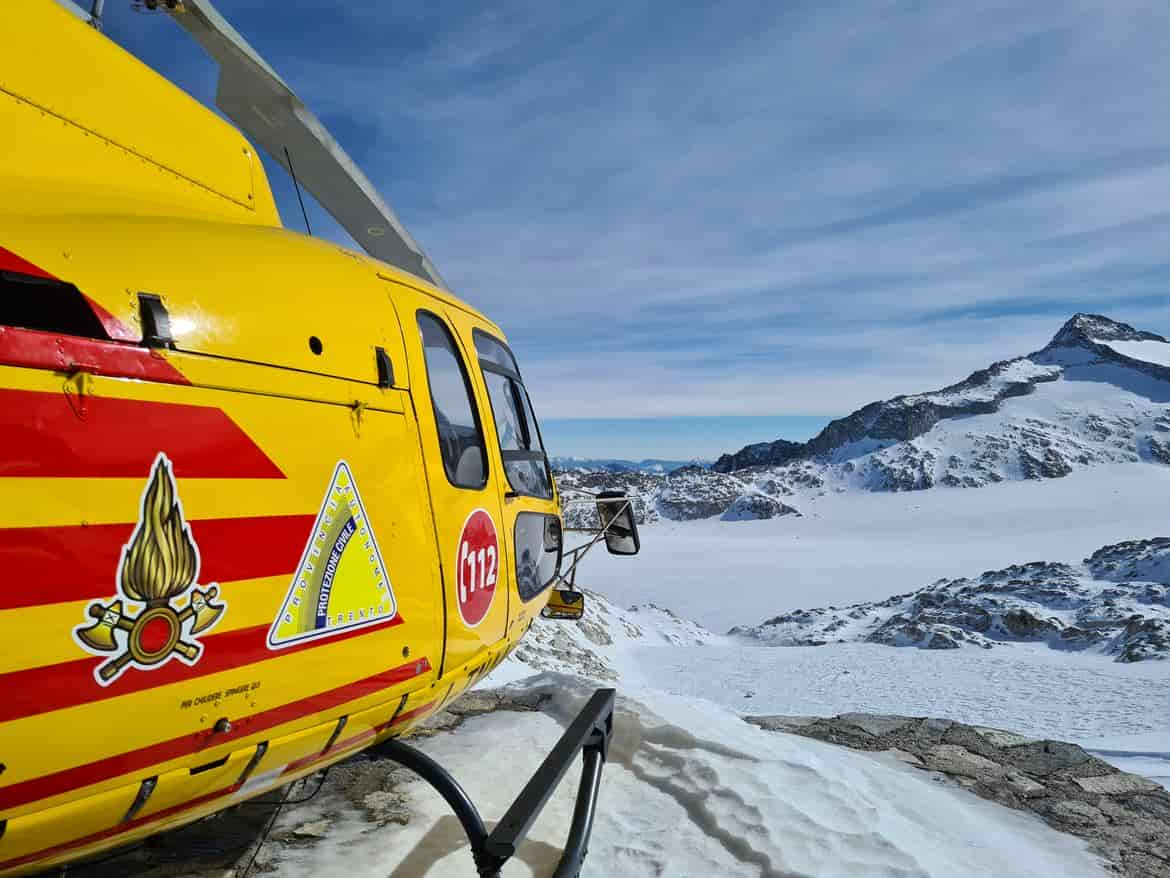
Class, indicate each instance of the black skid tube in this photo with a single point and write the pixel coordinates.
(588, 734)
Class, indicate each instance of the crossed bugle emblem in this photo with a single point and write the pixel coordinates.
(159, 568)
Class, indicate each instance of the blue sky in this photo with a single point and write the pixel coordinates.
(671, 438)
(737, 210)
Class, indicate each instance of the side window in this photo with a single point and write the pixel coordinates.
(520, 445)
(460, 438)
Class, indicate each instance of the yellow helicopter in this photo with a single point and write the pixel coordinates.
(264, 501)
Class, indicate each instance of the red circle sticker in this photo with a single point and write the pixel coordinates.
(477, 562)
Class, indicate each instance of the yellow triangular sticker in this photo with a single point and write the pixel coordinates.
(341, 583)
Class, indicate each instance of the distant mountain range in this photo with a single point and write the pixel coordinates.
(1098, 393)
(615, 465)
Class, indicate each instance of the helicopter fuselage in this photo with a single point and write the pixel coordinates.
(248, 523)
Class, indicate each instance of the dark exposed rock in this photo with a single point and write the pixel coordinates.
(903, 468)
(1085, 329)
(1145, 638)
(760, 454)
(1118, 604)
(941, 640)
(1159, 449)
(1147, 560)
(1124, 817)
(1026, 626)
(748, 507)
(1049, 464)
(691, 493)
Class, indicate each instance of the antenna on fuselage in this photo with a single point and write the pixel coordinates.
(293, 172)
(252, 95)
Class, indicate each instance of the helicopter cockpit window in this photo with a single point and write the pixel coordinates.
(460, 437)
(523, 452)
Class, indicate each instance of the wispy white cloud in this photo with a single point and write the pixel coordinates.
(758, 208)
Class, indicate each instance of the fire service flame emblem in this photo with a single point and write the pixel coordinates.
(158, 569)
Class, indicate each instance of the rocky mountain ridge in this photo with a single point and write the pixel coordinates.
(905, 418)
(1117, 603)
(621, 465)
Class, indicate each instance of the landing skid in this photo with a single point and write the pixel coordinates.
(588, 734)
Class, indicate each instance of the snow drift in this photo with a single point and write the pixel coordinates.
(692, 790)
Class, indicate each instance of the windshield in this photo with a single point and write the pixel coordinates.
(520, 445)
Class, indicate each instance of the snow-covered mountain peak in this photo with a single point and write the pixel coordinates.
(1089, 340)
(1089, 329)
(1096, 394)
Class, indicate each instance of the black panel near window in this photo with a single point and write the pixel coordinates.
(538, 552)
(460, 437)
(46, 305)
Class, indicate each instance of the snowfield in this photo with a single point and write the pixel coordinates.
(1157, 352)
(1028, 689)
(868, 546)
(1119, 710)
(691, 790)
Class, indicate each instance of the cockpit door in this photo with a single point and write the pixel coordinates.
(464, 490)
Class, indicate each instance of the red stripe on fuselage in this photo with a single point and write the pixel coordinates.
(95, 837)
(386, 678)
(9, 261)
(31, 349)
(79, 776)
(409, 715)
(360, 739)
(33, 691)
(50, 435)
(49, 565)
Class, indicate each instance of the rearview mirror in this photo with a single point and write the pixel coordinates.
(615, 511)
(564, 603)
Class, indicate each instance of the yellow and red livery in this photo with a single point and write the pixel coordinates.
(190, 398)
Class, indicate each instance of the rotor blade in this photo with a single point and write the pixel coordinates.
(266, 109)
